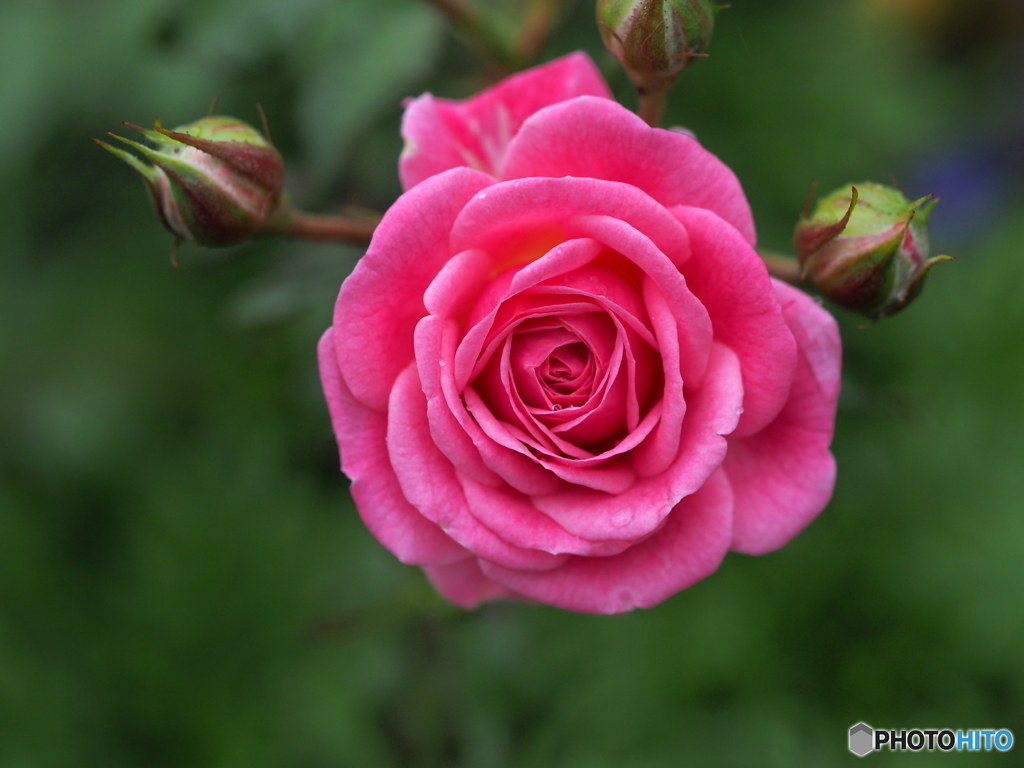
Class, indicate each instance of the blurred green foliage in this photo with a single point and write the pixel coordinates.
(183, 578)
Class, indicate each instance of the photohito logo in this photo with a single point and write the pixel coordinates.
(864, 739)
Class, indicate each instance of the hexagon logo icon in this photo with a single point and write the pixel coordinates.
(862, 739)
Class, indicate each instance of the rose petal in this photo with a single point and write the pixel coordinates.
(455, 289)
(503, 415)
(441, 134)
(433, 338)
(733, 283)
(515, 519)
(609, 289)
(628, 443)
(512, 214)
(600, 476)
(656, 453)
(529, 364)
(362, 441)
(783, 476)
(478, 347)
(689, 547)
(382, 300)
(608, 477)
(692, 318)
(428, 481)
(564, 257)
(465, 584)
(533, 479)
(448, 433)
(600, 139)
(713, 412)
(603, 418)
(557, 451)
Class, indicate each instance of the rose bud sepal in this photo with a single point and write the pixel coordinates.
(216, 181)
(656, 39)
(866, 249)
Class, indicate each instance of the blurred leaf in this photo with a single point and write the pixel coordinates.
(26, 37)
(306, 279)
(368, 69)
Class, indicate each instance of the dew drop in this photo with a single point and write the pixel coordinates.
(739, 411)
(556, 407)
(516, 183)
(623, 517)
(482, 195)
(442, 363)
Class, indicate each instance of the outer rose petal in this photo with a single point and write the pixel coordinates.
(513, 517)
(464, 583)
(362, 440)
(600, 139)
(732, 282)
(382, 300)
(687, 548)
(502, 220)
(441, 134)
(783, 476)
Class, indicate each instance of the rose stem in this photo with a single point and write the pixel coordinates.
(457, 10)
(536, 29)
(463, 16)
(348, 229)
(652, 103)
(783, 267)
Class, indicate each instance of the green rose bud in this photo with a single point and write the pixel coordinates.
(866, 248)
(655, 39)
(216, 181)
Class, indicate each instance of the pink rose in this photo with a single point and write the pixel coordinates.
(561, 372)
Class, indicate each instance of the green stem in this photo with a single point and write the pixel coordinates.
(783, 267)
(340, 228)
(540, 18)
(464, 17)
(652, 103)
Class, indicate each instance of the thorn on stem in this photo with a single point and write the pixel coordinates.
(807, 201)
(266, 125)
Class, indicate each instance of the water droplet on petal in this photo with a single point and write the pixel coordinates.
(623, 517)
(482, 195)
(739, 411)
(556, 407)
(442, 363)
(516, 183)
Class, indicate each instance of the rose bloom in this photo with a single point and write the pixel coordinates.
(561, 373)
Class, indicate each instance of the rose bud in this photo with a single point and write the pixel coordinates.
(655, 39)
(866, 248)
(216, 181)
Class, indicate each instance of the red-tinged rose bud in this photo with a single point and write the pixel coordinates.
(216, 181)
(656, 39)
(866, 248)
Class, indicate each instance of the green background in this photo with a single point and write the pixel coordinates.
(183, 578)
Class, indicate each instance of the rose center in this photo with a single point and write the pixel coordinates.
(562, 371)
